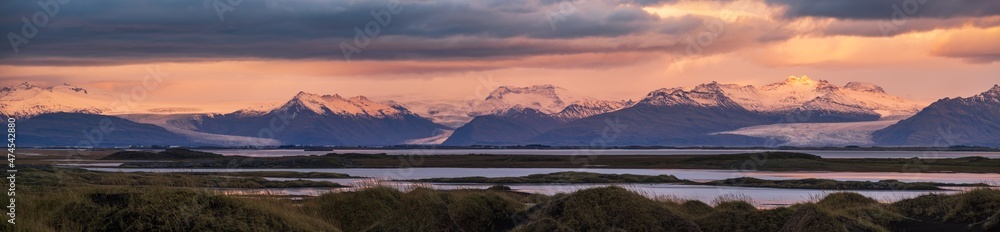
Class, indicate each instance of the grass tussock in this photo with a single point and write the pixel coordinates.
(93, 207)
(158, 209)
(979, 208)
(386, 209)
(606, 209)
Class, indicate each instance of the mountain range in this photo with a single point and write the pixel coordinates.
(311, 119)
(26, 100)
(711, 114)
(950, 121)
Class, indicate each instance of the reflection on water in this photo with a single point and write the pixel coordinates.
(824, 154)
(690, 174)
(761, 197)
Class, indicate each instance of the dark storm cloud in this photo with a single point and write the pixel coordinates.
(123, 31)
(888, 9)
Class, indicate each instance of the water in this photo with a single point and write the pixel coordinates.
(760, 197)
(824, 153)
(690, 174)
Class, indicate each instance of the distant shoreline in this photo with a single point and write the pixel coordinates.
(542, 147)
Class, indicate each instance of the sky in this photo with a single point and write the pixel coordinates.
(226, 54)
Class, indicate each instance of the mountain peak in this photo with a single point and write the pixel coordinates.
(335, 104)
(304, 95)
(535, 89)
(358, 98)
(993, 93)
(804, 80)
(26, 100)
(713, 87)
(25, 85)
(548, 99)
(864, 87)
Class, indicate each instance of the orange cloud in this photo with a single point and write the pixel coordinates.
(972, 45)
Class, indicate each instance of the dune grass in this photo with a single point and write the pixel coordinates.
(979, 208)
(113, 208)
(385, 209)
(73, 202)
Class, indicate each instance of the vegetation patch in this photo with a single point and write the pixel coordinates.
(977, 208)
(312, 161)
(87, 207)
(157, 209)
(168, 154)
(386, 209)
(606, 209)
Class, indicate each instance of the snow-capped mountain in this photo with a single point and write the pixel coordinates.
(795, 94)
(973, 120)
(359, 106)
(589, 107)
(547, 99)
(26, 100)
(705, 95)
(312, 119)
(512, 115)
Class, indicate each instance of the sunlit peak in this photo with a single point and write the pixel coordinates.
(804, 80)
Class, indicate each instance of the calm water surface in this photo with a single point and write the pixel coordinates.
(824, 154)
(690, 174)
(761, 197)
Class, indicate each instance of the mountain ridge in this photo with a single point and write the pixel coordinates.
(973, 120)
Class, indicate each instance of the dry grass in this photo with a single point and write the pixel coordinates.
(53, 200)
